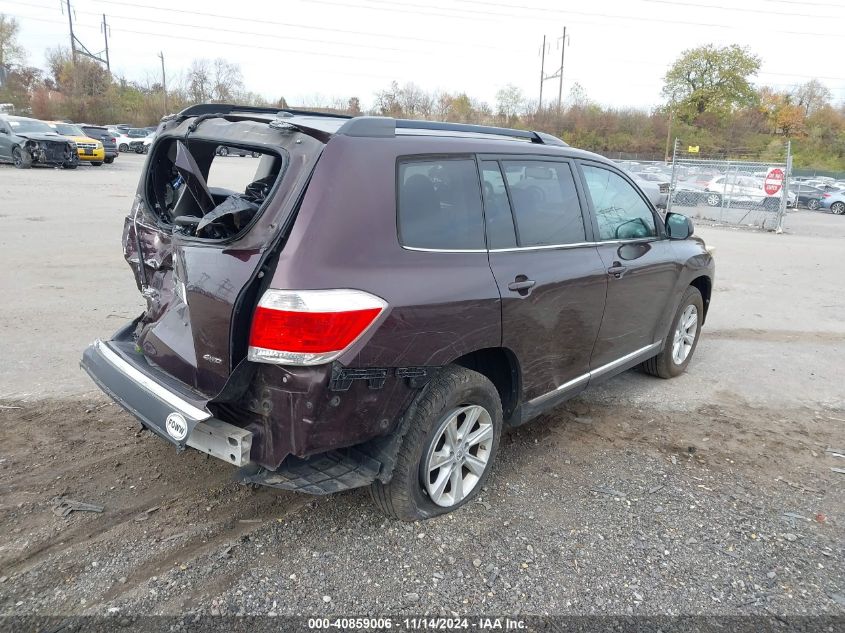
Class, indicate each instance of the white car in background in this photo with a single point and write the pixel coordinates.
(737, 189)
(124, 138)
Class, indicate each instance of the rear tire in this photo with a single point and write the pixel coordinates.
(457, 407)
(813, 204)
(838, 208)
(123, 147)
(21, 158)
(714, 199)
(97, 164)
(109, 160)
(680, 343)
(223, 151)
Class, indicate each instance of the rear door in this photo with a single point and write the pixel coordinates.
(550, 276)
(639, 264)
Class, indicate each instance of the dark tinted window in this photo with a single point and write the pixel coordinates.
(497, 209)
(620, 211)
(545, 203)
(440, 204)
(95, 132)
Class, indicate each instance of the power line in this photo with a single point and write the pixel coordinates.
(277, 23)
(664, 2)
(627, 60)
(476, 15)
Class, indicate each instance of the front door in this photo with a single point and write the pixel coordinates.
(640, 266)
(550, 276)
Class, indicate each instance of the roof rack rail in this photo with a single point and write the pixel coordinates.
(201, 109)
(374, 126)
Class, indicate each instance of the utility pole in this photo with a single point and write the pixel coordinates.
(669, 129)
(560, 85)
(542, 71)
(106, 38)
(72, 36)
(163, 81)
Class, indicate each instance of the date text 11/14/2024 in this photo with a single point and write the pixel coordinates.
(418, 624)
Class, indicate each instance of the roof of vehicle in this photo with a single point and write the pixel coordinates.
(9, 117)
(324, 125)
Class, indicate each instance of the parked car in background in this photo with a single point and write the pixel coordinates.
(105, 137)
(124, 138)
(227, 150)
(835, 201)
(142, 146)
(737, 189)
(380, 301)
(26, 142)
(90, 150)
(654, 186)
(806, 196)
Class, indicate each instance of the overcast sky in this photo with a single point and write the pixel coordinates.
(300, 49)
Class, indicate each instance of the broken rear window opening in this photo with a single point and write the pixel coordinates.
(180, 187)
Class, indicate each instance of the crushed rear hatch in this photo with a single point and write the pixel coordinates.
(197, 250)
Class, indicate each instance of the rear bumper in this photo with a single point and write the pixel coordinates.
(160, 407)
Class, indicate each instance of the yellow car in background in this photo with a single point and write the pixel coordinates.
(89, 149)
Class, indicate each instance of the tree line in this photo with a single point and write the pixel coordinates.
(709, 101)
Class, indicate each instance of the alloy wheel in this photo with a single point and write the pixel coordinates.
(17, 159)
(714, 200)
(838, 208)
(458, 455)
(685, 333)
(812, 204)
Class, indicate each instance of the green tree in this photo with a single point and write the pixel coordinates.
(510, 102)
(711, 79)
(11, 52)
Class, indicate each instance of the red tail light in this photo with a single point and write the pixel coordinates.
(310, 327)
(825, 195)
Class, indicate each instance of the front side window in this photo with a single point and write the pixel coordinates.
(620, 210)
(440, 204)
(545, 203)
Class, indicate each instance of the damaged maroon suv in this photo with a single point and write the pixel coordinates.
(382, 297)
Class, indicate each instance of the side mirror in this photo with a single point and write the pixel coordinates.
(3, 130)
(678, 226)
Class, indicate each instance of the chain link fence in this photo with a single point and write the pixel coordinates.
(736, 192)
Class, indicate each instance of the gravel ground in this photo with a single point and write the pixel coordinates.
(710, 494)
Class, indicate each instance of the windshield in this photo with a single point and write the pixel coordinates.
(68, 130)
(21, 125)
(137, 133)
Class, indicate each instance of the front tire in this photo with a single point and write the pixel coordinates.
(97, 164)
(123, 147)
(838, 208)
(448, 450)
(680, 343)
(223, 151)
(21, 158)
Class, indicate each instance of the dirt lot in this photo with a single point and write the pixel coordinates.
(710, 494)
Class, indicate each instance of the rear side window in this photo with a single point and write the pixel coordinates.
(440, 204)
(545, 203)
(620, 211)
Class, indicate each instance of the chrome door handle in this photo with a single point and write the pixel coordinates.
(617, 271)
(521, 285)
